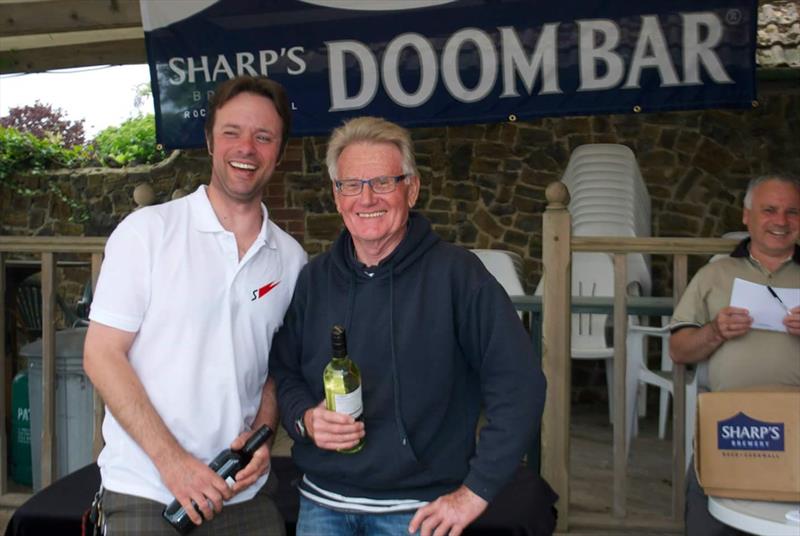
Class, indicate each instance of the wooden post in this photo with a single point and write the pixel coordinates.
(97, 400)
(620, 447)
(3, 358)
(557, 263)
(48, 283)
(679, 281)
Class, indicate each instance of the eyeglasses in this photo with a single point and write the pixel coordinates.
(382, 184)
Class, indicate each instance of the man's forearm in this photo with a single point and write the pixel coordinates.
(127, 400)
(693, 344)
(268, 409)
(123, 393)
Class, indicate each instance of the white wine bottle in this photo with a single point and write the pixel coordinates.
(342, 381)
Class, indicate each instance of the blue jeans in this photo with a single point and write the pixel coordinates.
(316, 520)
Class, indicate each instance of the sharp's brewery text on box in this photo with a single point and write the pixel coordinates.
(747, 443)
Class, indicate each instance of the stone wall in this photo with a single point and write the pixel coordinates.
(482, 185)
(109, 195)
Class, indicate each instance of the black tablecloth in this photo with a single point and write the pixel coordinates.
(523, 508)
(57, 509)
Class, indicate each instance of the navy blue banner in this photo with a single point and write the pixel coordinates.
(741, 432)
(434, 62)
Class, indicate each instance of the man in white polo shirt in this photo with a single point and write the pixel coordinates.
(188, 299)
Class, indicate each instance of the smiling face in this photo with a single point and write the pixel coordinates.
(773, 221)
(377, 222)
(245, 147)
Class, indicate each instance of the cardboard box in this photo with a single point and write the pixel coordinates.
(747, 443)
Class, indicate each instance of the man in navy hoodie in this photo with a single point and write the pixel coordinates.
(436, 339)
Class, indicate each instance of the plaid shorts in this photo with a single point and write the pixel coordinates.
(130, 515)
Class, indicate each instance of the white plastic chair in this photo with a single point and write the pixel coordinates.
(738, 235)
(608, 197)
(638, 264)
(637, 371)
(590, 277)
(666, 361)
(506, 267)
(696, 381)
(593, 275)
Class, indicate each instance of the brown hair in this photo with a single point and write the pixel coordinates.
(258, 85)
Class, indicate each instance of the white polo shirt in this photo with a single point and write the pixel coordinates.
(204, 322)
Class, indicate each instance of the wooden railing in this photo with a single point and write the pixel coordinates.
(558, 244)
(46, 249)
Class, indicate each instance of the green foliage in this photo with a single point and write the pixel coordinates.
(133, 142)
(24, 152)
(44, 121)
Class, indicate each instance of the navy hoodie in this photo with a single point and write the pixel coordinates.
(436, 339)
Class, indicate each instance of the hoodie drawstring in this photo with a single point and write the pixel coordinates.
(395, 374)
(351, 301)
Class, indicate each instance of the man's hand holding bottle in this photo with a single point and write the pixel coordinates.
(198, 489)
(337, 423)
(331, 430)
(217, 481)
(258, 466)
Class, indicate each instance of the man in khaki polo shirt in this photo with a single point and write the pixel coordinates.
(705, 327)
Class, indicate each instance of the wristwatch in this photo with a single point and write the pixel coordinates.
(300, 427)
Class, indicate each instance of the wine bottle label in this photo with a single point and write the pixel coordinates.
(349, 403)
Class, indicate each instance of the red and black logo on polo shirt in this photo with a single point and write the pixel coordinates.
(261, 292)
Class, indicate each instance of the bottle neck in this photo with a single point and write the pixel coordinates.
(255, 441)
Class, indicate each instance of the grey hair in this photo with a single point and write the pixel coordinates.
(780, 177)
(370, 130)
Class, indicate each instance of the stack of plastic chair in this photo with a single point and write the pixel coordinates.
(608, 197)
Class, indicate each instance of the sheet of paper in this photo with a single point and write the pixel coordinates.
(766, 310)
